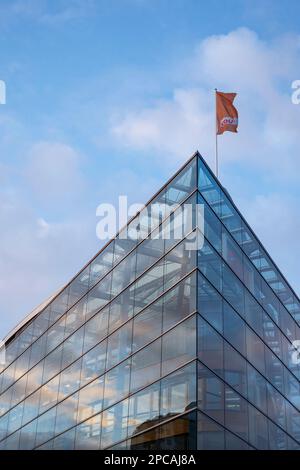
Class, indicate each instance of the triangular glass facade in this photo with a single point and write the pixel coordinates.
(179, 334)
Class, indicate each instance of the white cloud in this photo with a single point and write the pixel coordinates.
(53, 171)
(260, 72)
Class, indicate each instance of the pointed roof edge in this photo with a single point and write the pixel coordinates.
(30, 316)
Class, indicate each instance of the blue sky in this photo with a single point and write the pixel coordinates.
(111, 97)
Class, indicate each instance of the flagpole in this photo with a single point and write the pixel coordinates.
(216, 147)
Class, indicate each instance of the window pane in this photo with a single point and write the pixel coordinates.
(182, 185)
(49, 394)
(143, 409)
(99, 296)
(114, 424)
(91, 399)
(149, 287)
(119, 345)
(93, 363)
(65, 441)
(121, 308)
(179, 302)
(257, 388)
(116, 383)
(212, 225)
(255, 350)
(88, 434)
(210, 265)
(235, 372)
(210, 304)
(178, 391)
(210, 394)
(232, 254)
(234, 328)
(95, 329)
(179, 345)
(180, 261)
(101, 264)
(147, 325)
(236, 413)
(45, 426)
(66, 414)
(124, 273)
(70, 379)
(210, 347)
(210, 434)
(253, 313)
(233, 289)
(146, 366)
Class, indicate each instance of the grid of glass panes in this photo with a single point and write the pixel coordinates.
(114, 331)
(248, 381)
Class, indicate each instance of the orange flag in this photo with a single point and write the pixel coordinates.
(227, 115)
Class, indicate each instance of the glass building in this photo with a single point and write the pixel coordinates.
(158, 345)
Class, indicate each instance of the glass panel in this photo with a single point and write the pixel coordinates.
(179, 434)
(236, 413)
(210, 265)
(272, 336)
(276, 406)
(101, 264)
(178, 391)
(59, 306)
(45, 427)
(91, 399)
(52, 364)
(116, 383)
(144, 409)
(123, 274)
(232, 254)
(66, 414)
(212, 226)
(209, 188)
(234, 328)
(95, 329)
(146, 366)
(27, 437)
(149, 286)
(235, 373)
(210, 434)
(178, 262)
(99, 296)
(75, 317)
(182, 185)
(179, 302)
(65, 441)
(147, 325)
(231, 218)
(253, 280)
(233, 290)
(70, 380)
(210, 347)
(114, 424)
(255, 350)
(93, 363)
(31, 407)
(257, 388)
(149, 251)
(88, 434)
(210, 304)
(72, 348)
(119, 345)
(79, 286)
(277, 437)
(253, 313)
(55, 334)
(121, 308)
(179, 345)
(49, 394)
(210, 394)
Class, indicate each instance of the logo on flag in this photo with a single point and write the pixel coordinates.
(227, 115)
